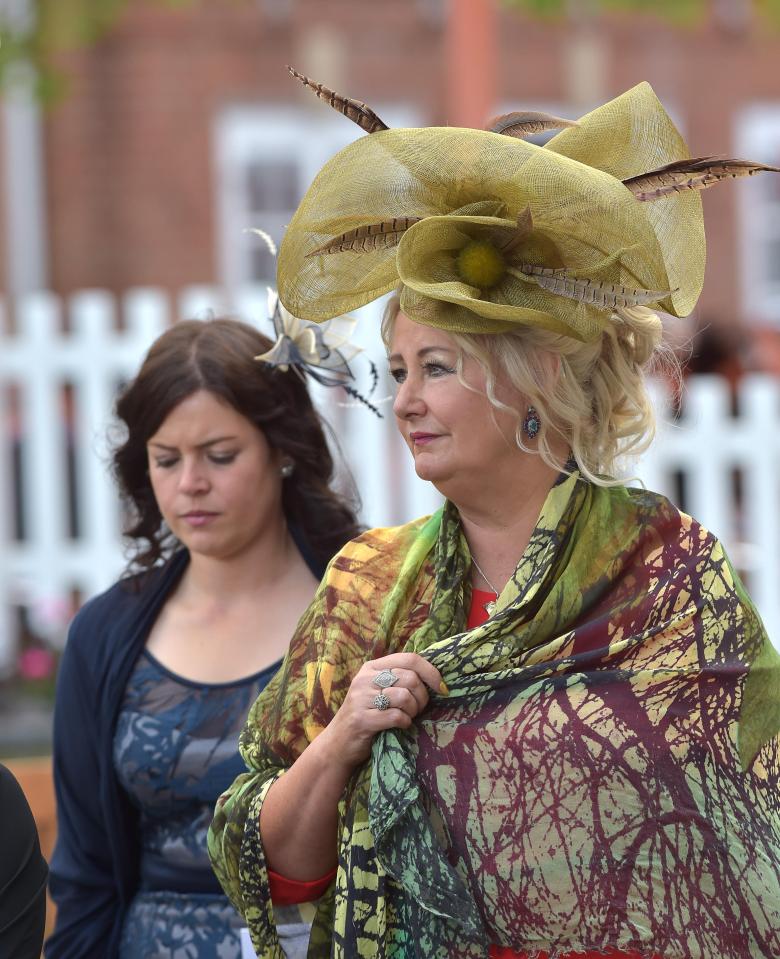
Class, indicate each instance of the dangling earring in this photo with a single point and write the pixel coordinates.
(531, 424)
(286, 470)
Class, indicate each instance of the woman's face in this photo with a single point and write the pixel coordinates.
(457, 438)
(214, 476)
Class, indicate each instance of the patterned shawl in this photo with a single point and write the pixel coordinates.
(604, 772)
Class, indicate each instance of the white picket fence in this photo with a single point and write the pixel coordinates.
(61, 451)
(43, 569)
(729, 467)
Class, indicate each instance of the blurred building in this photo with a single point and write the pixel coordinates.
(182, 127)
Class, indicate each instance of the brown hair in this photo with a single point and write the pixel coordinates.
(218, 356)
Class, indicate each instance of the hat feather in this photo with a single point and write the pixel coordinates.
(698, 173)
(374, 236)
(354, 110)
(595, 292)
(527, 123)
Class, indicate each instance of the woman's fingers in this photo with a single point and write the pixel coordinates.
(411, 662)
(386, 693)
(401, 678)
(396, 697)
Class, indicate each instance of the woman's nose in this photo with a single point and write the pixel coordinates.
(408, 401)
(193, 478)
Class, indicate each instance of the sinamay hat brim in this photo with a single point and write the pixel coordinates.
(471, 184)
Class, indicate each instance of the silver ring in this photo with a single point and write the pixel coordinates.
(385, 678)
(381, 702)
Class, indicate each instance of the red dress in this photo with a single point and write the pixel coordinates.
(288, 891)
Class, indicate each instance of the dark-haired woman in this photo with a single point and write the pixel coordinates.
(226, 469)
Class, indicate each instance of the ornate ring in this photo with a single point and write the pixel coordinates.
(381, 702)
(385, 678)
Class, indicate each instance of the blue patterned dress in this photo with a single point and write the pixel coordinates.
(175, 751)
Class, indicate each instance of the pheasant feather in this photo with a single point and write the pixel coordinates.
(354, 110)
(596, 293)
(698, 173)
(527, 123)
(364, 239)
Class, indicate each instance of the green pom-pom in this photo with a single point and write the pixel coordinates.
(480, 264)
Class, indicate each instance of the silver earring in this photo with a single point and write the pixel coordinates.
(531, 424)
(286, 470)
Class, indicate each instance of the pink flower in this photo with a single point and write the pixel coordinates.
(36, 663)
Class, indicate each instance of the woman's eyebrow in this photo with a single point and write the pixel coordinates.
(200, 446)
(397, 358)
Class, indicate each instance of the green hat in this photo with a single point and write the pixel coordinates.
(484, 231)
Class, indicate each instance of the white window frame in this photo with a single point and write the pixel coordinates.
(757, 137)
(374, 451)
(246, 133)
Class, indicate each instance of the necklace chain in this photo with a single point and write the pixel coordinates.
(481, 573)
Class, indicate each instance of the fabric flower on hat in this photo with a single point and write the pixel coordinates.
(322, 351)
(464, 272)
(484, 231)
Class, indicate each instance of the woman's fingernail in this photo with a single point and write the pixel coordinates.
(443, 688)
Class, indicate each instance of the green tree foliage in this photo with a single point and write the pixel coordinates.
(50, 28)
(678, 12)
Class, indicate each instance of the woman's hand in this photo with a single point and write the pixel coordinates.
(299, 817)
(371, 705)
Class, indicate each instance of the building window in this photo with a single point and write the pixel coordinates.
(265, 160)
(758, 138)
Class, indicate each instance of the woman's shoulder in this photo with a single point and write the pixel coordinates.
(11, 794)
(372, 560)
(380, 541)
(16, 822)
(674, 539)
(125, 594)
(109, 613)
(23, 869)
(655, 510)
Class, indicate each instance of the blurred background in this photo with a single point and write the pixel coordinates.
(140, 140)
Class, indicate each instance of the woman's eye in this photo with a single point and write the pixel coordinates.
(222, 459)
(437, 369)
(398, 375)
(165, 464)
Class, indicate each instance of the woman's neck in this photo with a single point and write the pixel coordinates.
(498, 524)
(232, 616)
(266, 562)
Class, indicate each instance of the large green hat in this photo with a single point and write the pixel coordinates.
(484, 231)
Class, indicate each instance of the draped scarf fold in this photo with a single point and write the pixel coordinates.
(603, 774)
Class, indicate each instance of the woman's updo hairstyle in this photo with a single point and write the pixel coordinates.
(218, 356)
(592, 395)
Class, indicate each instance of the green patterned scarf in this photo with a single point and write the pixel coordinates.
(603, 774)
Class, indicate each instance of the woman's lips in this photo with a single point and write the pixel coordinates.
(422, 439)
(198, 518)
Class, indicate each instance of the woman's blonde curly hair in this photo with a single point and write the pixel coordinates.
(594, 397)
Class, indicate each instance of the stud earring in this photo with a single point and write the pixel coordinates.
(286, 470)
(531, 424)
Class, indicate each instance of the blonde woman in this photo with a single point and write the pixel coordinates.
(541, 722)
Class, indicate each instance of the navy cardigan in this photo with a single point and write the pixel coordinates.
(94, 868)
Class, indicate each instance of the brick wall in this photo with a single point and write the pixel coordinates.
(129, 152)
